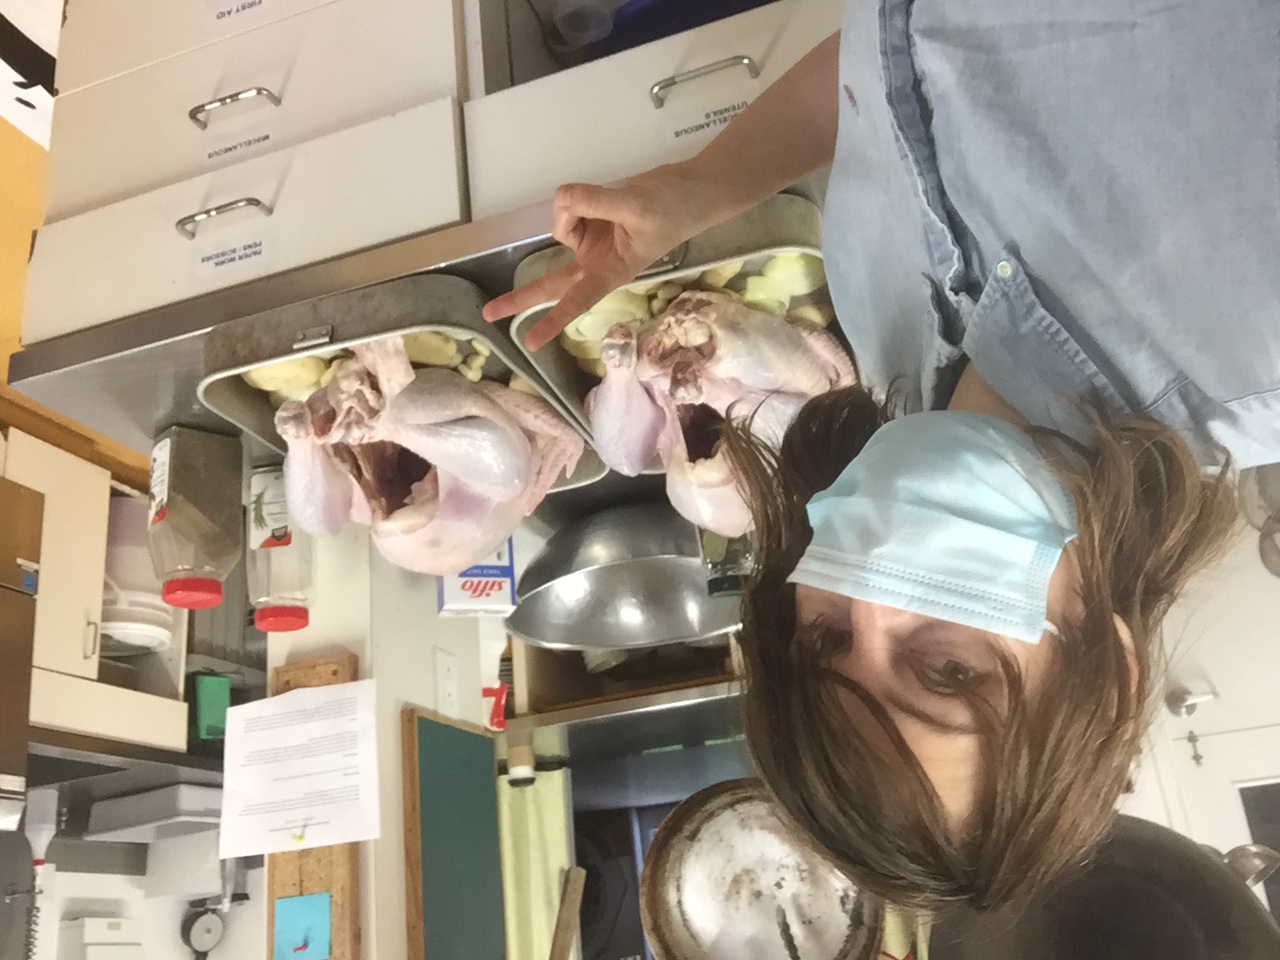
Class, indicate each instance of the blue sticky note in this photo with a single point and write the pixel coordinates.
(302, 928)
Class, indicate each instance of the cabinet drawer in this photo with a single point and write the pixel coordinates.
(339, 65)
(551, 680)
(598, 122)
(380, 181)
(101, 38)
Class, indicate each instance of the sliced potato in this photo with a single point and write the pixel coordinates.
(481, 347)
(718, 276)
(659, 306)
(767, 295)
(669, 290)
(432, 348)
(295, 373)
(819, 313)
(621, 306)
(522, 385)
(330, 371)
(581, 349)
(473, 367)
(799, 273)
(593, 326)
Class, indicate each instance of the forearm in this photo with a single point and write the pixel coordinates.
(786, 133)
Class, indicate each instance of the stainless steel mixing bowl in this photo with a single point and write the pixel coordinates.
(627, 577)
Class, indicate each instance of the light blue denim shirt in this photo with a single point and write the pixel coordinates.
(1081, 196)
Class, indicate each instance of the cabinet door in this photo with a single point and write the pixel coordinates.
(599, 122)
(73, 552)
(356, 188)
(77, 705)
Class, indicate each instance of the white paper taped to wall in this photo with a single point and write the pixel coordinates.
(301, 770)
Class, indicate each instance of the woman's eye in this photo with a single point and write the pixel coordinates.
(831, 641)
(949, 676)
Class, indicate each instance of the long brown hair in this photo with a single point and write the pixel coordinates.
(1054, 767)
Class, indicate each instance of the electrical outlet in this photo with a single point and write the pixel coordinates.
(448, 696)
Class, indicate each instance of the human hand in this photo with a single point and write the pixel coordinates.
(614, 232)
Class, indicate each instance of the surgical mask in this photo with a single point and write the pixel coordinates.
(947, 514)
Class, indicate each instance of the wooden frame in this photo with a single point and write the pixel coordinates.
(333, 870)
(410, 785)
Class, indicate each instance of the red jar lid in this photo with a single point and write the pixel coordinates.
(280, 619)
(192, 593)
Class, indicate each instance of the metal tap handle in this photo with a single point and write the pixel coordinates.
(199, 114)
(91, 640)
(188, 225)
(658, 92)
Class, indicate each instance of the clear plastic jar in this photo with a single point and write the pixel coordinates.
(194, 525)
(278, 560)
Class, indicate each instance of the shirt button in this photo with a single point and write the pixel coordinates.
(1004, 269)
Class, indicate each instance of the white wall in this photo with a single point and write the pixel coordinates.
(78, 895)
(1223, 635)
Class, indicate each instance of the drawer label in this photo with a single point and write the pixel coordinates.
(268, 511)
(158, 504)
(705, 123)
(214, 259)
(241, 146)
(222, 10)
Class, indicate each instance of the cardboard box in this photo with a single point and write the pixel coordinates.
(485, 590)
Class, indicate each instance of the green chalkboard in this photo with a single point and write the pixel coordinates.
(451, 792)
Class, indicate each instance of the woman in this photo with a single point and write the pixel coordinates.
(1051, 239)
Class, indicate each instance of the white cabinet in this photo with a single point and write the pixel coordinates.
(101, 38)
(77, 705)
(599, 122)
(72, 555)
(339, 65)
(358, 187)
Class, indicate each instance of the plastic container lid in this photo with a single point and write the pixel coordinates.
(192, 593)
(280, 619)
(581, 22)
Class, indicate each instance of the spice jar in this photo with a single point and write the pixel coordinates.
(194, 524)
(279, 558)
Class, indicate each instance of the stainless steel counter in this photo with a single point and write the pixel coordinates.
(131, 378)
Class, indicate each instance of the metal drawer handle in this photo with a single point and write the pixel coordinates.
(188, 225)
(91, 645)
(658, 92)
(199, 113)
(313, 337)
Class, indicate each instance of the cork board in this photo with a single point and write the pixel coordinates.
(453, 861)
(333, 870)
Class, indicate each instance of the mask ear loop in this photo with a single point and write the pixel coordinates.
(1052, 630)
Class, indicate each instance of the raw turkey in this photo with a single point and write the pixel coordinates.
(668, 388)
(441, 469)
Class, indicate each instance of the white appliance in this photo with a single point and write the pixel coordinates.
(99, 938)
(173, 811)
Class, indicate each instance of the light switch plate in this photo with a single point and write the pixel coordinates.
(448, 696)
